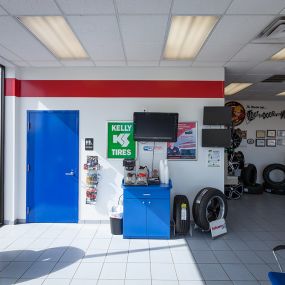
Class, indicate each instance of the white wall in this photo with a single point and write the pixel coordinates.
(188, 176)
(262, 156)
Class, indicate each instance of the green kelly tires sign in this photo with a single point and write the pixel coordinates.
(121, 142)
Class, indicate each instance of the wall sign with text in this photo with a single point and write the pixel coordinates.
(121, 142)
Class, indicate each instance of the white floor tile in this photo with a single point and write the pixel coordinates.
(36, 281)
(72, 254)
(57, 282)
(218, 244)
(198, 245)
(95, 255)
(117, 255)
(7, 281)
(259, 271)
(139, 256)
(52, 254)
(63, 270)
(248, 257)
(226, 256)
(113, 271)
(3, 265)
(29, 255)
(139, 244)
(219, 283)
(15, 269)
(119, 244)
(185, 256)
(111, 282)
(246, 283)
(138, 271)
(140, 282)
(204, 256)
(161, 282)
(164, 271)
(188, 272)
(83, 282)
(99, 243)
(237, 245)
(213, 272)
(161, 256)
(88, 271)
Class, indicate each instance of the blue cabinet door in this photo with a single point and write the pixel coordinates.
(158, 218)
(52, 166)
(134, 223)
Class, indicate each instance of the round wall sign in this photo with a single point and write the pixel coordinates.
(250, 141)
(238, 112)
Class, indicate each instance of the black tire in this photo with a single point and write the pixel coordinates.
(209, 205)
(266, 176)
(274, 190)
(181, 226)
(249, 175)
(256, 189)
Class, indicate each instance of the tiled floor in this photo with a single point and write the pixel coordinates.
(89, 254)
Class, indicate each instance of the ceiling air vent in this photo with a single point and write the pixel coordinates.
(275, 78)
(274, 32)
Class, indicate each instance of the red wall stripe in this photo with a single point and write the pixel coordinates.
(117, 88)
(12, 87)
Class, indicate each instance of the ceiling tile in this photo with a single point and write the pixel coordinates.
(21, 42)
(143, 29)
(77, 63)
(99, 35)
(5, 53)
(2, 11)
(139, 52)
(176, 63)
(41, 63)
(110, 63)
(257, 52)
(21, 63)
(198, 7)
(143, 7)
(273, 67)
(143, 63)
(86, 7)
(208, 64)
(30, 7)
(5, 62)
(256, 7)
(240, 66)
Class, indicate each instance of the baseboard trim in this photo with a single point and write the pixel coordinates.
(21, 221)
(8, 222)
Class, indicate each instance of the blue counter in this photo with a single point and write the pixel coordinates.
(147, 211)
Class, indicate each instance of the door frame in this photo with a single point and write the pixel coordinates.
(2, 137)
(77, 151)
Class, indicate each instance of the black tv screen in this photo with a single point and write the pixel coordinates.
(216, 137)
(151, 126)
(220, 115)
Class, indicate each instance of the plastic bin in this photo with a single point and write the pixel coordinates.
(116, 220)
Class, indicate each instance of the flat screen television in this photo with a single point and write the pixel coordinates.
(216, 137)
(220, 115)
(152, 126)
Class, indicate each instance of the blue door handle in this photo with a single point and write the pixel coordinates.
(71, 173)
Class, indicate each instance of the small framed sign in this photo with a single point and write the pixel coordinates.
(260, 134)
(281, 133)
(89, 144)
(271, 133)
(260, 142)
(271, 142)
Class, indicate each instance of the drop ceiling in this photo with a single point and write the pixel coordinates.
(134, 33)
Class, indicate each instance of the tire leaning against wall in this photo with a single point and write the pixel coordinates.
(255, 189)
(266, 176)
(201, 206)
(249, 175)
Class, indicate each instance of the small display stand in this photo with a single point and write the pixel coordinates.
(92, 179)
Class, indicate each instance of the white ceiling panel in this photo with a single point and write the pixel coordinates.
(257, 52)
(110, 63)
(176, 63)
(256, 7)
(143, 7)
(140, 52)
(208, 64)
(21, 63)
(30, 7)
(2, 11)
(99, 35)
(198, 7)
(5, 53)
(245, 77)
(77, 63)
(273, 67)
(240, 66)
(45, 63)
(217, 52)
(21, 42)
(143, 29)
(86, 7)
(5, 62)
(143, 63)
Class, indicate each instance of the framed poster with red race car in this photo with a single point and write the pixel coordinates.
(185, 148)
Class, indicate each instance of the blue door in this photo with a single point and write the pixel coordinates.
(52, 166)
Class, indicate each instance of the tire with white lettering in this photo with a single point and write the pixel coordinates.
(181, 214)
(255, 189)
(249, 175)
(209, 205)
(274, 183)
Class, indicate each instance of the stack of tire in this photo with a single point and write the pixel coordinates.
(272, 186)
(248, 177)
(181, 214)
(209, 205)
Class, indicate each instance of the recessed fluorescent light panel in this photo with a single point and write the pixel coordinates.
(280, 55)
(56, 35)
(281, 94)
(187, 35)
(235, 88)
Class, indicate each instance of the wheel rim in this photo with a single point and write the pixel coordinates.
(215, 209)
